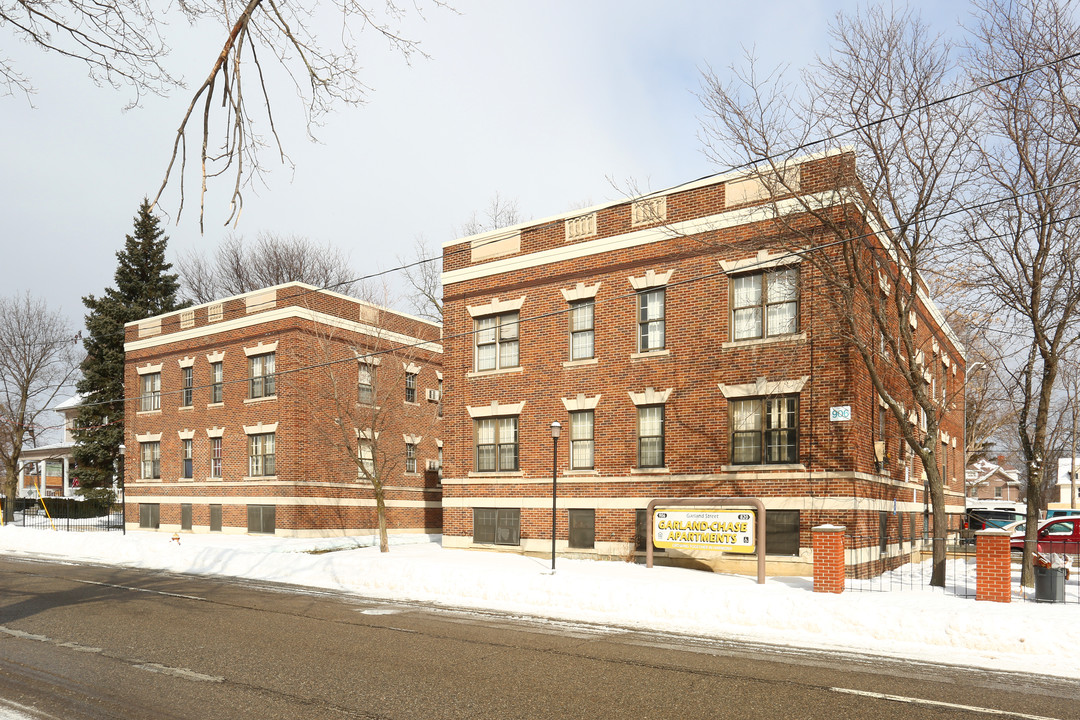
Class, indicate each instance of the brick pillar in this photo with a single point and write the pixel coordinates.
(829, 558)
(993, 566)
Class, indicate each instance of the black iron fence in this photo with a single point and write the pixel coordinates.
(68, 514)
(907, 564)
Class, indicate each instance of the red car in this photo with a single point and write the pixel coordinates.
(1056, 535)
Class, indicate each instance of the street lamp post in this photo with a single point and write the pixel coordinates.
(556, 430)
(123, 494)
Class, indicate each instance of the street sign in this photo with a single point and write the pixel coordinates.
(692, 529)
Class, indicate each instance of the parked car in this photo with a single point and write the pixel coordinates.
(1061, 512)
(986, 519)
(1055, 535)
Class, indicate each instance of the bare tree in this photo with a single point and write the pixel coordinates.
(869, 235)
(121, 42)
(238, 267)
(1024, 253)
(423, 273)
(988, 414)
(499, 213)
(368, 403)
(423, 270)
(37, 362)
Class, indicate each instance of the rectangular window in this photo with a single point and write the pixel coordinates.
(997, 492)
(151, 392)
(151, 460)
(765, 430)
(782, 532)
(497, 342)
(582, 528)
(187, 385)
(440, 399)
(497, 444)
(261, 519)
(944, 380)
(186, 470)
(261, 455)
(215, 518)
(883, 531)
(581, 330)
(651, 436)
(366, 385)
(765, 304)
(215, 457)
(366, 450)
(261, 376)
(216, 382)
(410, 458)
(651, 320)
(500, 526)
(410, 387)
(185, 516)
(581, 440)
(149, 516)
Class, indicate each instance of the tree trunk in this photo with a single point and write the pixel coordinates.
(941, 529)
(380, 510)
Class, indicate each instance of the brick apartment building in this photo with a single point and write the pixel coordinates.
(681, 361)
(262, 412)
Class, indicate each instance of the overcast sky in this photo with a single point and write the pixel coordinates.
(544, 103)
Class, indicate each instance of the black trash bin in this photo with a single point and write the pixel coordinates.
(1049, 584)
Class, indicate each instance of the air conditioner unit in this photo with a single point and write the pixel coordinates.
(433, 395)
(433, 464)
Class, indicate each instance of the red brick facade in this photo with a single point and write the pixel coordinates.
(307, 405)
(691, 244)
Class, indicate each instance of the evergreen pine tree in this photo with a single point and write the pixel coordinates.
(144, 288)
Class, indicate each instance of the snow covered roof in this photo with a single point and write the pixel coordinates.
(72, 402)
(983, 470)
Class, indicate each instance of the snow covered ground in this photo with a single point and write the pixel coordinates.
(906, 621)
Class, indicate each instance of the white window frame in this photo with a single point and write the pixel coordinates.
(647, 323)
(260, 462)
(577, 309)
(500, 425)
(150, 457)
(499, 331)
(582, 440)
(765, 280)
(262, 376)
(150, 397)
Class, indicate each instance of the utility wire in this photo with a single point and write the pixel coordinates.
(420, 344)
(503, 234)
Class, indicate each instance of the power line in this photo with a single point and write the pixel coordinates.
(503, 234)
(749, 267)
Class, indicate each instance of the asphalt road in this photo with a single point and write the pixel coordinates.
(83, 641)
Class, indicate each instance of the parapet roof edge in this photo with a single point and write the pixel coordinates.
(291, 283)
(690, 185)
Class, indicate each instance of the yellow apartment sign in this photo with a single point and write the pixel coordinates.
(692, 529)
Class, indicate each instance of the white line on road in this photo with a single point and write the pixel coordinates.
(179, 672)
(42, 638)
(938, 703)
(145, 590)
(11, 710)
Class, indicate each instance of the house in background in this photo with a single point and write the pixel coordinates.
(48, 470)
(1063, 495)
(261, 413)
(987, 480)
(683, 358)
